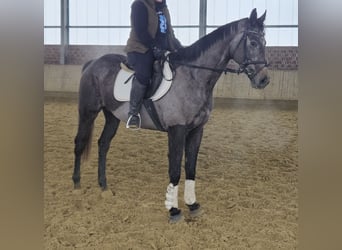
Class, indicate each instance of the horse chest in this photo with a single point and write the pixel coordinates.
(201, 117)
(185, 113)
(185, 104)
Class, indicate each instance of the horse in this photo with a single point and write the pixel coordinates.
(183, 111)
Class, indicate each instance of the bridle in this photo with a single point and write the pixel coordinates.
(243, 67)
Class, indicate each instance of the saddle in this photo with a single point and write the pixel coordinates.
(160, 83)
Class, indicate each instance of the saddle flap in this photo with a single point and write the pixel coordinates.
(123, 83)
(125, 67)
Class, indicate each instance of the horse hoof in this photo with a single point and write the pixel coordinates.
(103, 185)
(175, 215)
(176, 218)
(195, 210)
(196, 213)
(77, 185)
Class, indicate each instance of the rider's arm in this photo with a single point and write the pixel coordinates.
(140, 23)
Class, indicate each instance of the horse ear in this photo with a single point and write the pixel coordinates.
(253, 16)
(262, 18)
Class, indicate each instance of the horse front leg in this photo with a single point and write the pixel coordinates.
(192, 145)
(176, 138)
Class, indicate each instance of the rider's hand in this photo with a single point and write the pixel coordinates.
(158, 53)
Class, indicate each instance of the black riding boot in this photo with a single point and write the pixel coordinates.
(136, 98)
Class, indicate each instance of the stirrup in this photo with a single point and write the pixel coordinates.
(134, 126)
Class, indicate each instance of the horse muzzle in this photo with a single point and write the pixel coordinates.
(261, 79)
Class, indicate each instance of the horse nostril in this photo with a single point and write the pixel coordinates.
(264, 81)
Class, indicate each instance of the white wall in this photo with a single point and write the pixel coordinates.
(283, 85)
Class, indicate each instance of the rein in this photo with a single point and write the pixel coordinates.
(242, 67)
(225, 70)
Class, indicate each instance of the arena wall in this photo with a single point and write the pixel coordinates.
(283, 72)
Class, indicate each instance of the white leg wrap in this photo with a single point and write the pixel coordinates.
(171, 196)
(189, 192)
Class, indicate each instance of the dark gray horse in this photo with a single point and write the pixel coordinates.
(183, 111)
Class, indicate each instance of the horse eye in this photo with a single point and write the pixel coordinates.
(254, 44)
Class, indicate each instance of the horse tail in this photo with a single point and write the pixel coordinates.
(86, 65)
(89, 105)
(88, 142)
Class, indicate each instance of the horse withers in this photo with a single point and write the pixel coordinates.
(183, 111)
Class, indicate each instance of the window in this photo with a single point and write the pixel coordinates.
(52, 22)
(107, 22)
(281, 18)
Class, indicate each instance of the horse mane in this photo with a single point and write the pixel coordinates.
(195, 50)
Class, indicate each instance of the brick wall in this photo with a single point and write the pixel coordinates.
(51, 54)
(280, 58)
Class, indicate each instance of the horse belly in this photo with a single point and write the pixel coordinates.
(179, 115)
(122, 114)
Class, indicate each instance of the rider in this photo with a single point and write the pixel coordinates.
(151, 35)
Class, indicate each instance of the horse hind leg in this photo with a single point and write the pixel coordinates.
(109, 131)
(82, 142)
(192, 145)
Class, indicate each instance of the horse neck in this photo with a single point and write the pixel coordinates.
(215, 57)
(211, 51)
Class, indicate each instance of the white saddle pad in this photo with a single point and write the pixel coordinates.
(123, 84)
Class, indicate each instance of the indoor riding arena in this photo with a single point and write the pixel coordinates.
(247, 167)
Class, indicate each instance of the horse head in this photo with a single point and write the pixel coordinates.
(248, 50)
